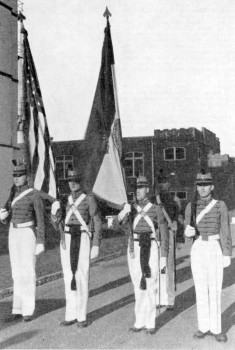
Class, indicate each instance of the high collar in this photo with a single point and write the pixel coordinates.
(205, 201)
(20, 189)
(143, 202)
(76, 194)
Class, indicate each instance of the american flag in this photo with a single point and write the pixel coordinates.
(35, 128)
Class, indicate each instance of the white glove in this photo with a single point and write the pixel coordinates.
(226, 261)
(55, 206)
(162, 262)
(126, 209)
(39, 248)
(63, 244)
(3, 214)
(94, 252)
(132, 255)
(85, 228)
(189, 231)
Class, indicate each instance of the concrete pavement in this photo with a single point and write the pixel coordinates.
(111, 311)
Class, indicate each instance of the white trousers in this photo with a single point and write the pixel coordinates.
(76, 301)
(22, 244)
(145, 305)
(207, 270)
(166, 284)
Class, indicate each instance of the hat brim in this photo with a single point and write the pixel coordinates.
(142, 185)
(74, 179)
(19, 174)
(204, 183)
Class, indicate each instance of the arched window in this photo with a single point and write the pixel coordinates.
(174, 153)
(134, 164)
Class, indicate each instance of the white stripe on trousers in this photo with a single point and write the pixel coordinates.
(207, 270)
(145, 306)
(22, 244)
(76, 301)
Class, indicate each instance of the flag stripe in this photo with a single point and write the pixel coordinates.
(32, 139)
(47, 164)
(36, 129)
(39, 176)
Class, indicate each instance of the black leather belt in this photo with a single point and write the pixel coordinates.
(137, 239)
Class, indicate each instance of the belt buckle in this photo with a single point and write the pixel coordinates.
(73, 207)
(204, 237)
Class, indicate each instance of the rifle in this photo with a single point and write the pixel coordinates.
(159, 271)
(174, 231)
(194, 211)
(7, 206)
(56, 220)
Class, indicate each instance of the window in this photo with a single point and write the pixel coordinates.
(174, 153)
(134, 164)
(62, 163)
(180, 194)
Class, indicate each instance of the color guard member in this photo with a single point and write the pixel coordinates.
(207, 221)
(82, 226)
(25, 212)
(146, 220)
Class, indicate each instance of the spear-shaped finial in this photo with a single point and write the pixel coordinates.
(21, 17)
(107, 14)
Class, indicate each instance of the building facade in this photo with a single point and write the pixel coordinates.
(8, 92)
(178, 153)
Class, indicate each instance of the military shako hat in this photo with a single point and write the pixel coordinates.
(74, 175)
(19, 169)
(162, 177)
(142, 182)
(203, 179)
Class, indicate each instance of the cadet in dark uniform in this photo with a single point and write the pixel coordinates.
(207, 221)
(25, 212)
(170, 208)
(82, 226)
(146, 218)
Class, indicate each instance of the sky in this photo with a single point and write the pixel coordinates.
(174, 62)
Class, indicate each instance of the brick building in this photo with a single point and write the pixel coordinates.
(180, 153)
(8, 92)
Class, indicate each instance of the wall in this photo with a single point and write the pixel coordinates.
(8, 92)
(198, 145)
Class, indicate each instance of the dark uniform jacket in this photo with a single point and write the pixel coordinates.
(157, 217)
(29, 208)
(89, 212)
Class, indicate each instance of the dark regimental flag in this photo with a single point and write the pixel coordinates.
(103, 172)
(32, 122)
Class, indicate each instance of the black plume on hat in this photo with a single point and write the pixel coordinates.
(204, 178)
(74, 174)
(19, 168)
(162, 177)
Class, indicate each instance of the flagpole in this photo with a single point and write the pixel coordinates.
(22, 153)
(107, 14)
(152, 161)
